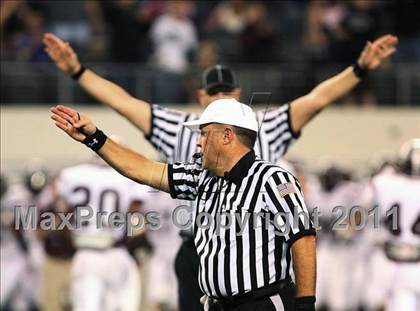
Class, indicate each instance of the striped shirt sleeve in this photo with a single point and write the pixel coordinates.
(166, 124)
(183, 180)
(275, 134)
(284, 199)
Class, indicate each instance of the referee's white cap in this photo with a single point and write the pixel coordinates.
(227, 111)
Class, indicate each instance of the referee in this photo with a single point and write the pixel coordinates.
(245, 264)
(279, 127)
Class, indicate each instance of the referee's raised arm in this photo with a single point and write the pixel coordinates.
(137, 111)
(127, 162)
(305, 108)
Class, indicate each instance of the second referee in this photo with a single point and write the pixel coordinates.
(248, 264)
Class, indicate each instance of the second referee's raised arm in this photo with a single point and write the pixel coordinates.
(135, 110)
(375, 53)
(127, 162)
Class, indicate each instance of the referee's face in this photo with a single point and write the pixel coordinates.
(205, 99)
(210, 142)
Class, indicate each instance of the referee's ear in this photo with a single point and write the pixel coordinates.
(236, 93)
(228, 135)
(201, 97)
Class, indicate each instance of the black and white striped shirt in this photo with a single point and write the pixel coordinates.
(232, 263)
(176, 143)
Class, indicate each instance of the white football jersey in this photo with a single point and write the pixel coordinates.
(334, 210)
(165, 238)
(16, 196)
(345, 194)
(105, 191)
(398, 200)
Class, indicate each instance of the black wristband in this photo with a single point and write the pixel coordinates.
(306, 303)
(96, 140)
(76, 76)
(359, 71)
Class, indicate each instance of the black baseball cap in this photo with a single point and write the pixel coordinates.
(218, 76)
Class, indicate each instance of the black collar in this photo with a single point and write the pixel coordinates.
(240, 170)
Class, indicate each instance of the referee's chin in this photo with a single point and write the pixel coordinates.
(208, 165)
(210, 161)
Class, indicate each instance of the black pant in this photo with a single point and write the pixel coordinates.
(283, 299)
(186, 268)
(264, 304)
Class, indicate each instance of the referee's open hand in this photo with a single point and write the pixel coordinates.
(376, 52)
(61, 53)
(76, 125)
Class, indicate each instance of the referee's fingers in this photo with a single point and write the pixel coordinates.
(66, 109)
(63, 127)
(69, 111)
(389, 52)
(59, 119)
(63, 115)
(384, 39)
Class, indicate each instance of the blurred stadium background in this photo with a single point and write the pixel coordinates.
(281, 47)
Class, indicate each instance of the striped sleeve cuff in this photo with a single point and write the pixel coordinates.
(300, 234)
(172, 191)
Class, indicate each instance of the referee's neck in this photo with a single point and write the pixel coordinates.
(229, 159)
